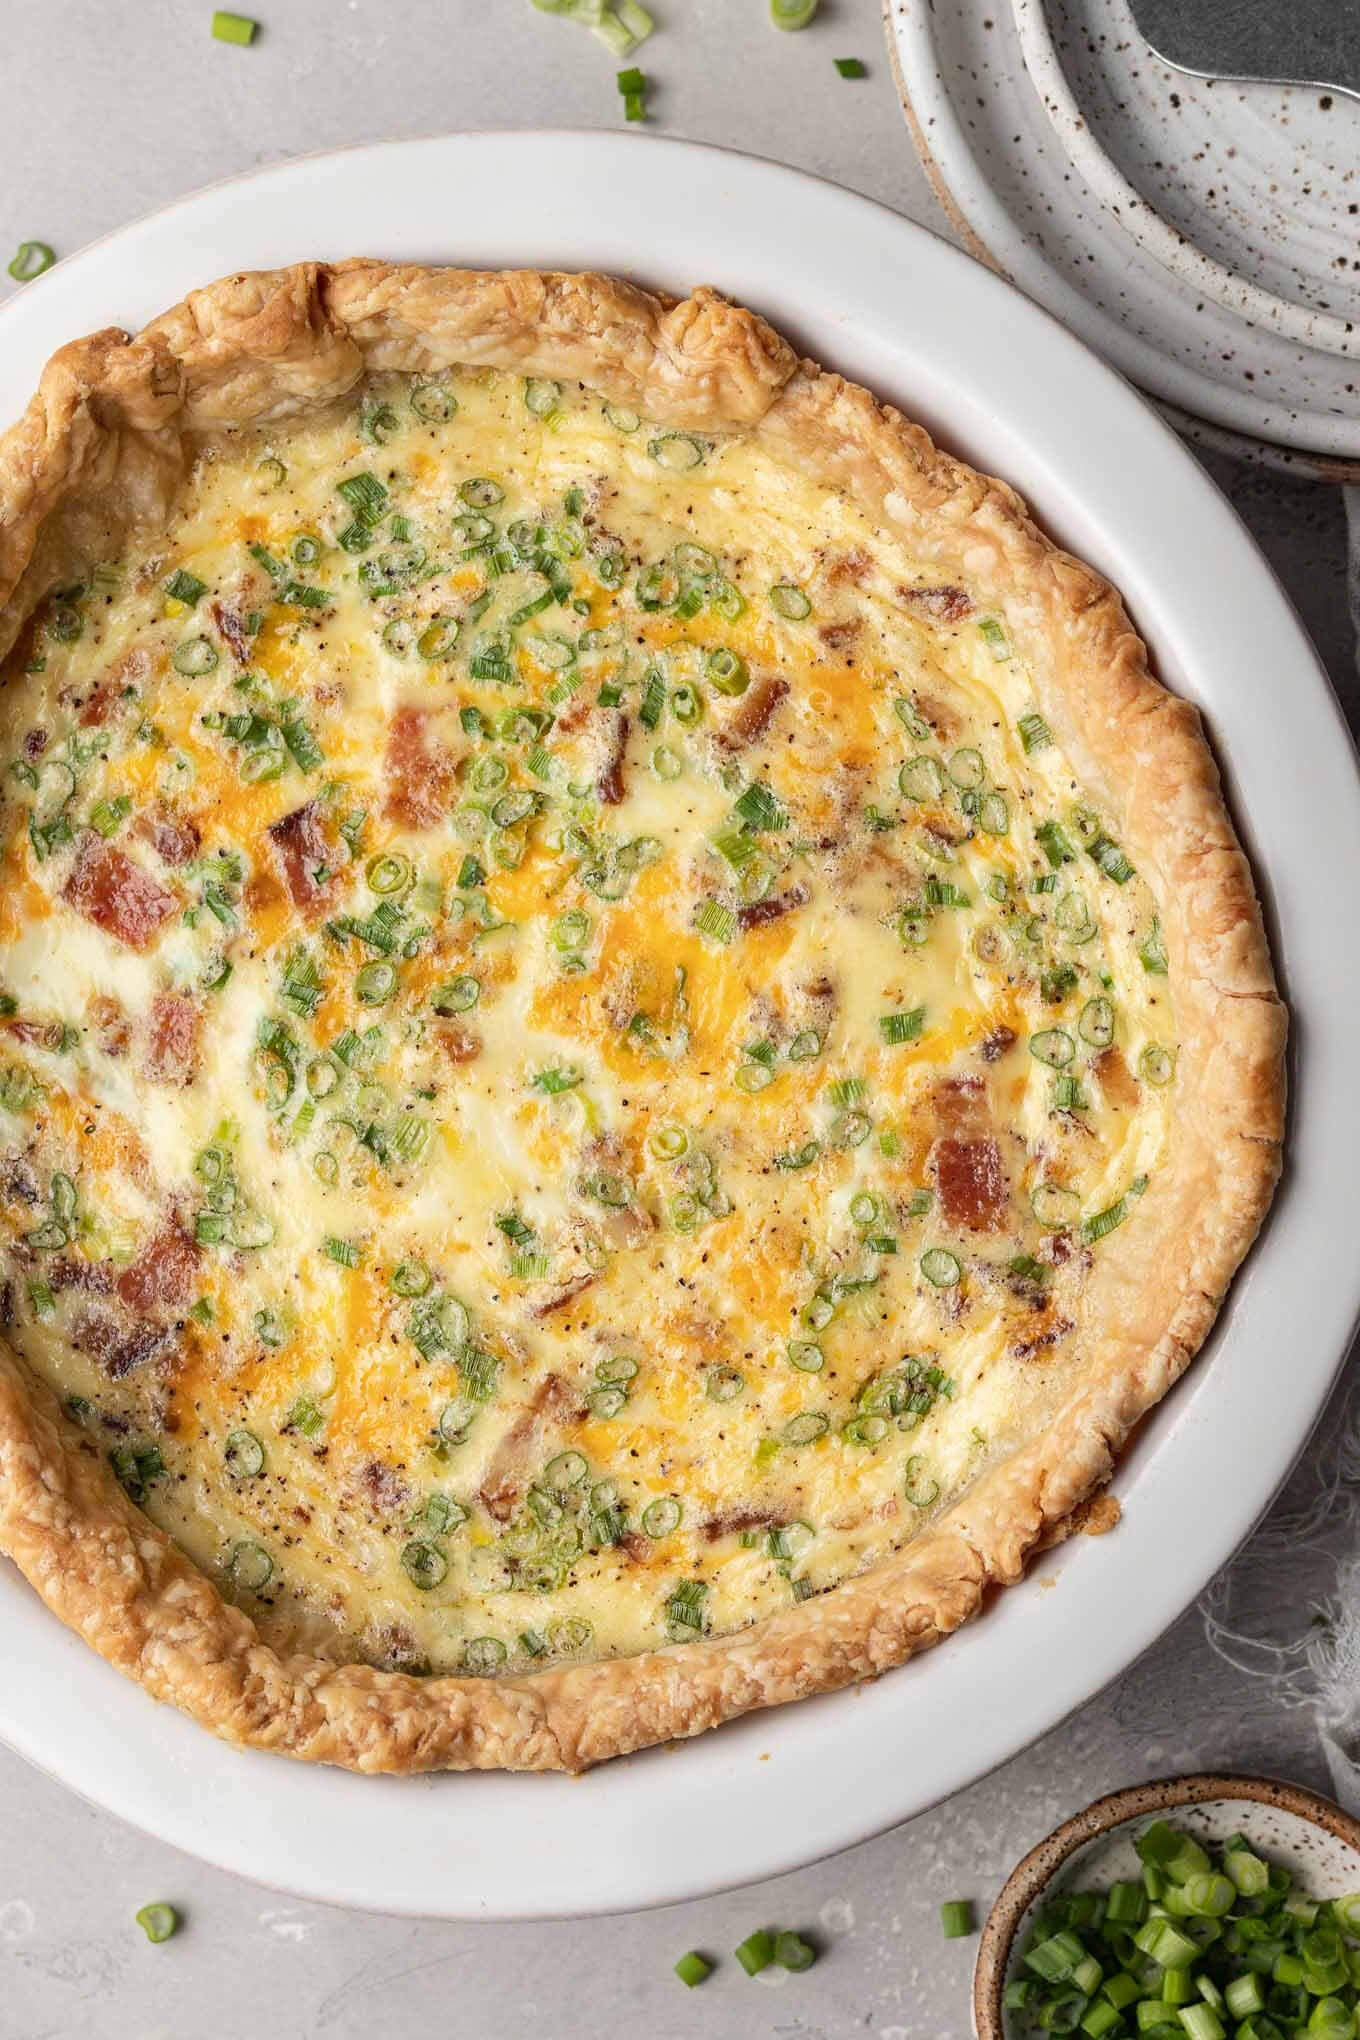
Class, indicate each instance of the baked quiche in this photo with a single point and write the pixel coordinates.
(632, 1038)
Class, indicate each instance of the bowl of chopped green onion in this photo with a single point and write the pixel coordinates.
(1210, 1907)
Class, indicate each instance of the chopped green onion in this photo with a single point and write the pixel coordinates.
(793, 1953)
(789, 601)
(1034, 733)
(727, 671)
(158, 1922)
(32, 259)
(677, 451)
(423, 1564)
(194, 656)
(692, 1969)
(956, 1918)
(185, 587)
(662, 1516)
(851, 67)
(243, 1455)
(899, 1027)
(759, 809)
(920, 1488)
(756, 1952)
(233, 28)
(792, 13)
(941, 1268)
(716, 921)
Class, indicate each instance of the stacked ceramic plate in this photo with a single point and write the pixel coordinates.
(1200, 233)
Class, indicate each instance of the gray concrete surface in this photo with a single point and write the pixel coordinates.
(113, 110)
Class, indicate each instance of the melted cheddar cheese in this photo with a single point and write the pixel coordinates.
(568, 1035)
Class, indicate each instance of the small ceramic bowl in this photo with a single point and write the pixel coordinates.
(1309, 1835)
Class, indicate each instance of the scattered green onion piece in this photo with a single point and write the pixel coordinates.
(32, 259)
(692, 1969)
(158, 1922)
(956, 1919)
(756, 1952)
(792, 13)
(662, 1516)
(727, 671)
(423, 1564)
(851, 67)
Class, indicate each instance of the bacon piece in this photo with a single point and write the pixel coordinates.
(117, 1347)
(420, 776)
(838, 637)
(172, 1049)
(750, 720)
(960, 1105)
(460, 1044)
(999, 1042)
(942, 605)
(175, 839)
(761, 912)
(971, 1183)
(132, 667)
(231, 623)
(609, 786)
(383, 1486)
(1117, 1081)
(513, 1462)
(110, 1022)
(565, 1293)
(106, 887)
(941, 718)
(163, 1275)
(40, 1033)
(1025, 1349)
(18, 1180)
(849, 567)
(302, 849)
(733, 1521)
(93, 1277)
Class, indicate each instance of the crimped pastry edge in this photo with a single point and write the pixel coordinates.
(104, 446)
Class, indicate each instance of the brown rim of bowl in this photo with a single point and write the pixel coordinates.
(1036, 1870)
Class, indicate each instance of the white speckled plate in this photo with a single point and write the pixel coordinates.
(1261, 179)
(1005, 386)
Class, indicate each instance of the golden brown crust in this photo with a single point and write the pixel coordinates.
(103, 447)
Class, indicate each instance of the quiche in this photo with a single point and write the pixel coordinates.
(632, 1036)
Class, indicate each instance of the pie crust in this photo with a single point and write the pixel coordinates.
(104, 446)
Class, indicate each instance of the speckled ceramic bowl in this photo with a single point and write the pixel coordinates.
(1311, 1836)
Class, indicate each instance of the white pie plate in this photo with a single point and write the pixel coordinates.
(1002, 383)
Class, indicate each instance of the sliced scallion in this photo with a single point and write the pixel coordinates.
(158, 1922)
(32, 259)
(756, 1952)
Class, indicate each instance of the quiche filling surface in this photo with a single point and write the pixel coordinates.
(569, 1037)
